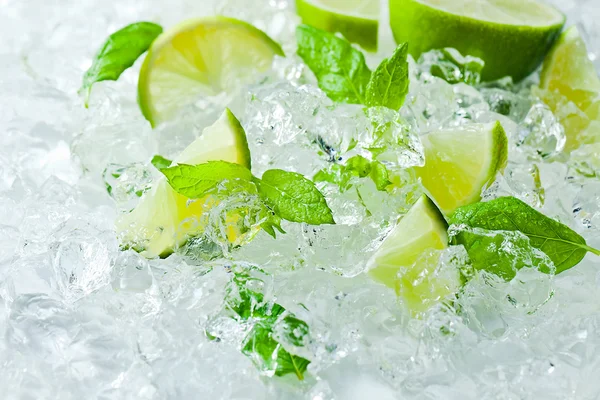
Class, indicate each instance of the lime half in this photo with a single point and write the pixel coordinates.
(201, 57)
(357, 20)
(460, 162)
(408, 259)
(164, 219)
(568, 75)
(511, 36)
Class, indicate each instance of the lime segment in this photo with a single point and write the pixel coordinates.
(460, 162)
(164, 219)
(357, 20)
(201, 57)
(408, 261)
(568, 75)
(511, 36)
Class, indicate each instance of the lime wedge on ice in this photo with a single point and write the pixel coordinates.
(201, 57)
(511, 36)
(461, 161)
(569, 72)
(399, 261)
(357, 20)
(165, 219)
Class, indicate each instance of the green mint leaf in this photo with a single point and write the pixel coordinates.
(272, 324)
(335, 174)
(160, 162)
(268, 354)
(380, 176)
(272, 223)
(359, 166)
(293, 197)
(562, 245)
(193, 181)
(389, 83)
(340, 69)
(118, 53)
(356, 166)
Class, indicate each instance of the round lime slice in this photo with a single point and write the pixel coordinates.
(461, 161)
(408, 258)
(201, 57)
(164, 219)
(357, 20)
(511, 36)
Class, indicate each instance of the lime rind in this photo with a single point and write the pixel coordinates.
(422, 228)
(507, 49)
(158, 224)
(355, 25)
(460, 162)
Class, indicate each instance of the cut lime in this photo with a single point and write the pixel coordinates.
(461, 161)
(165, 219)
(357, 20)
(407, 260)
(201, 57)
(569, 75)
(511, 36)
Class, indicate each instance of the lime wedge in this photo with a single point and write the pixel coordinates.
(201, 57)
(570, 76)
(165, 219)
(407, 260)
(461, 161)
(357, 20)
(511, 36)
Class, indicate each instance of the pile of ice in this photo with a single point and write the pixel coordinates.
(82, 319)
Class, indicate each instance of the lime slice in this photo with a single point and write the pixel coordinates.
(407, 260)
(201, 57)
(165, 219)
(461, 161)
(569, 75)
(357, 20)
(511, 36)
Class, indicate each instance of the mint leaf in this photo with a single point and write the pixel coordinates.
(562, 245)
(160, 162)
(356, 166)
(268, 354)
(293, 197)
(118, 53)
(193, 181)
(388, 85)
(340, 69)
(380, 176)
(272, 222)
(272, 325)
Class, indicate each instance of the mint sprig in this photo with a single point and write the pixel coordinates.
(342, 72)
(118, 53)
(563, 246)
(287, 195)
(160, 162)
(271, 323)
(355, 167)
(388, 85)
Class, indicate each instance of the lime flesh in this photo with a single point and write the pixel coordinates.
(164, 219)
(568, 75)
(460, 162)
(201, 57)
(407, 260)
(511, 36)
(356, 20)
